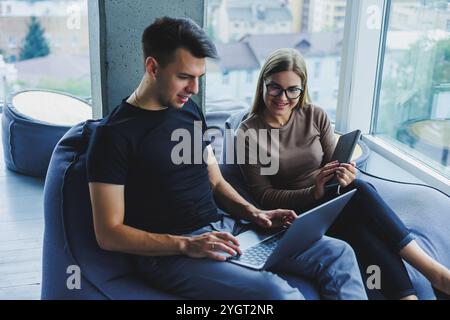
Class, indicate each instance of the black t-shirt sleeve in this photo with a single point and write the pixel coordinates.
(108, 157)
(204, 124)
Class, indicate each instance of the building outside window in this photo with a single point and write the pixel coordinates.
(338, 68)
(249, 78)
(314, 28)
(45, 45)
(315, 96)
(12, 42)
(413, 110)
(317, 67)
(226, 78)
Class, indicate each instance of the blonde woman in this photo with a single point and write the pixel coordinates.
(306, 143)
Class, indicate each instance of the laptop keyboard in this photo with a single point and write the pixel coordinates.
(259, 253)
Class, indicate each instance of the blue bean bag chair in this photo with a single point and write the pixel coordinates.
(69, 238)
(424, 211)
(28, 143)
(69, 234)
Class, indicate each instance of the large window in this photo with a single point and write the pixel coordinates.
(247, 31)
(413, 111)
(45, 45)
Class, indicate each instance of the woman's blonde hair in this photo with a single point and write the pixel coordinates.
(285, 59)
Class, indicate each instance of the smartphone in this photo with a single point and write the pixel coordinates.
(344, 151)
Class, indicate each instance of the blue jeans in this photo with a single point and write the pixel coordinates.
(329, 262)
(377, 235)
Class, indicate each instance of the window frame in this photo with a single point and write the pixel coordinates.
(359, 87)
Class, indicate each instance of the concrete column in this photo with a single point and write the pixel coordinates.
(115, 28)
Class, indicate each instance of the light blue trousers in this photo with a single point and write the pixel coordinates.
(329, 263)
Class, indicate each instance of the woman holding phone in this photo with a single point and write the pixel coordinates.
(306, 143)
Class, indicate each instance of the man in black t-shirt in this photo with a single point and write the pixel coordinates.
(147, 203)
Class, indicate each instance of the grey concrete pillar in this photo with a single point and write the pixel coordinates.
(115, 28)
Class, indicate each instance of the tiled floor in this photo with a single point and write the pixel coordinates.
(22, 224)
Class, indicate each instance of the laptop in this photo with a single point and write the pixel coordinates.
(261, 250)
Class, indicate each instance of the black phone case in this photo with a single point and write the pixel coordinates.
(344, 151)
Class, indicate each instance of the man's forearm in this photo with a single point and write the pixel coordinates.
(235, 204)
(127, 239)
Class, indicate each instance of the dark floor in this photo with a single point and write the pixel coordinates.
(21, 230)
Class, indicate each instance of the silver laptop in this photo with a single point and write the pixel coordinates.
(263, 250)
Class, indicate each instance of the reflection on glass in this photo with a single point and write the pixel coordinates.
(44, 44)
(414, 104)
(247, 31)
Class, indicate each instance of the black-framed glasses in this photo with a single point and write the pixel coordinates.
(291, 93)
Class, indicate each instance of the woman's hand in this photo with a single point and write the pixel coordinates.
(210, 244)
(325, 174)
(346, 173)
(275, 218)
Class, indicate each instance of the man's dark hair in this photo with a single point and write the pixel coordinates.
(163, 37)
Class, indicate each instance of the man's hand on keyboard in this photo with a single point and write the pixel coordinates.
(214, 245)
(275, 218)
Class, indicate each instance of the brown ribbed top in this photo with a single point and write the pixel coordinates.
(306, 143)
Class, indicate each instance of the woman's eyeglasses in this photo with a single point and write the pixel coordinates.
(291, 93)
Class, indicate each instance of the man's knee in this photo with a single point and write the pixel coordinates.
(271, 287)
(343, 248)
(336, 250)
